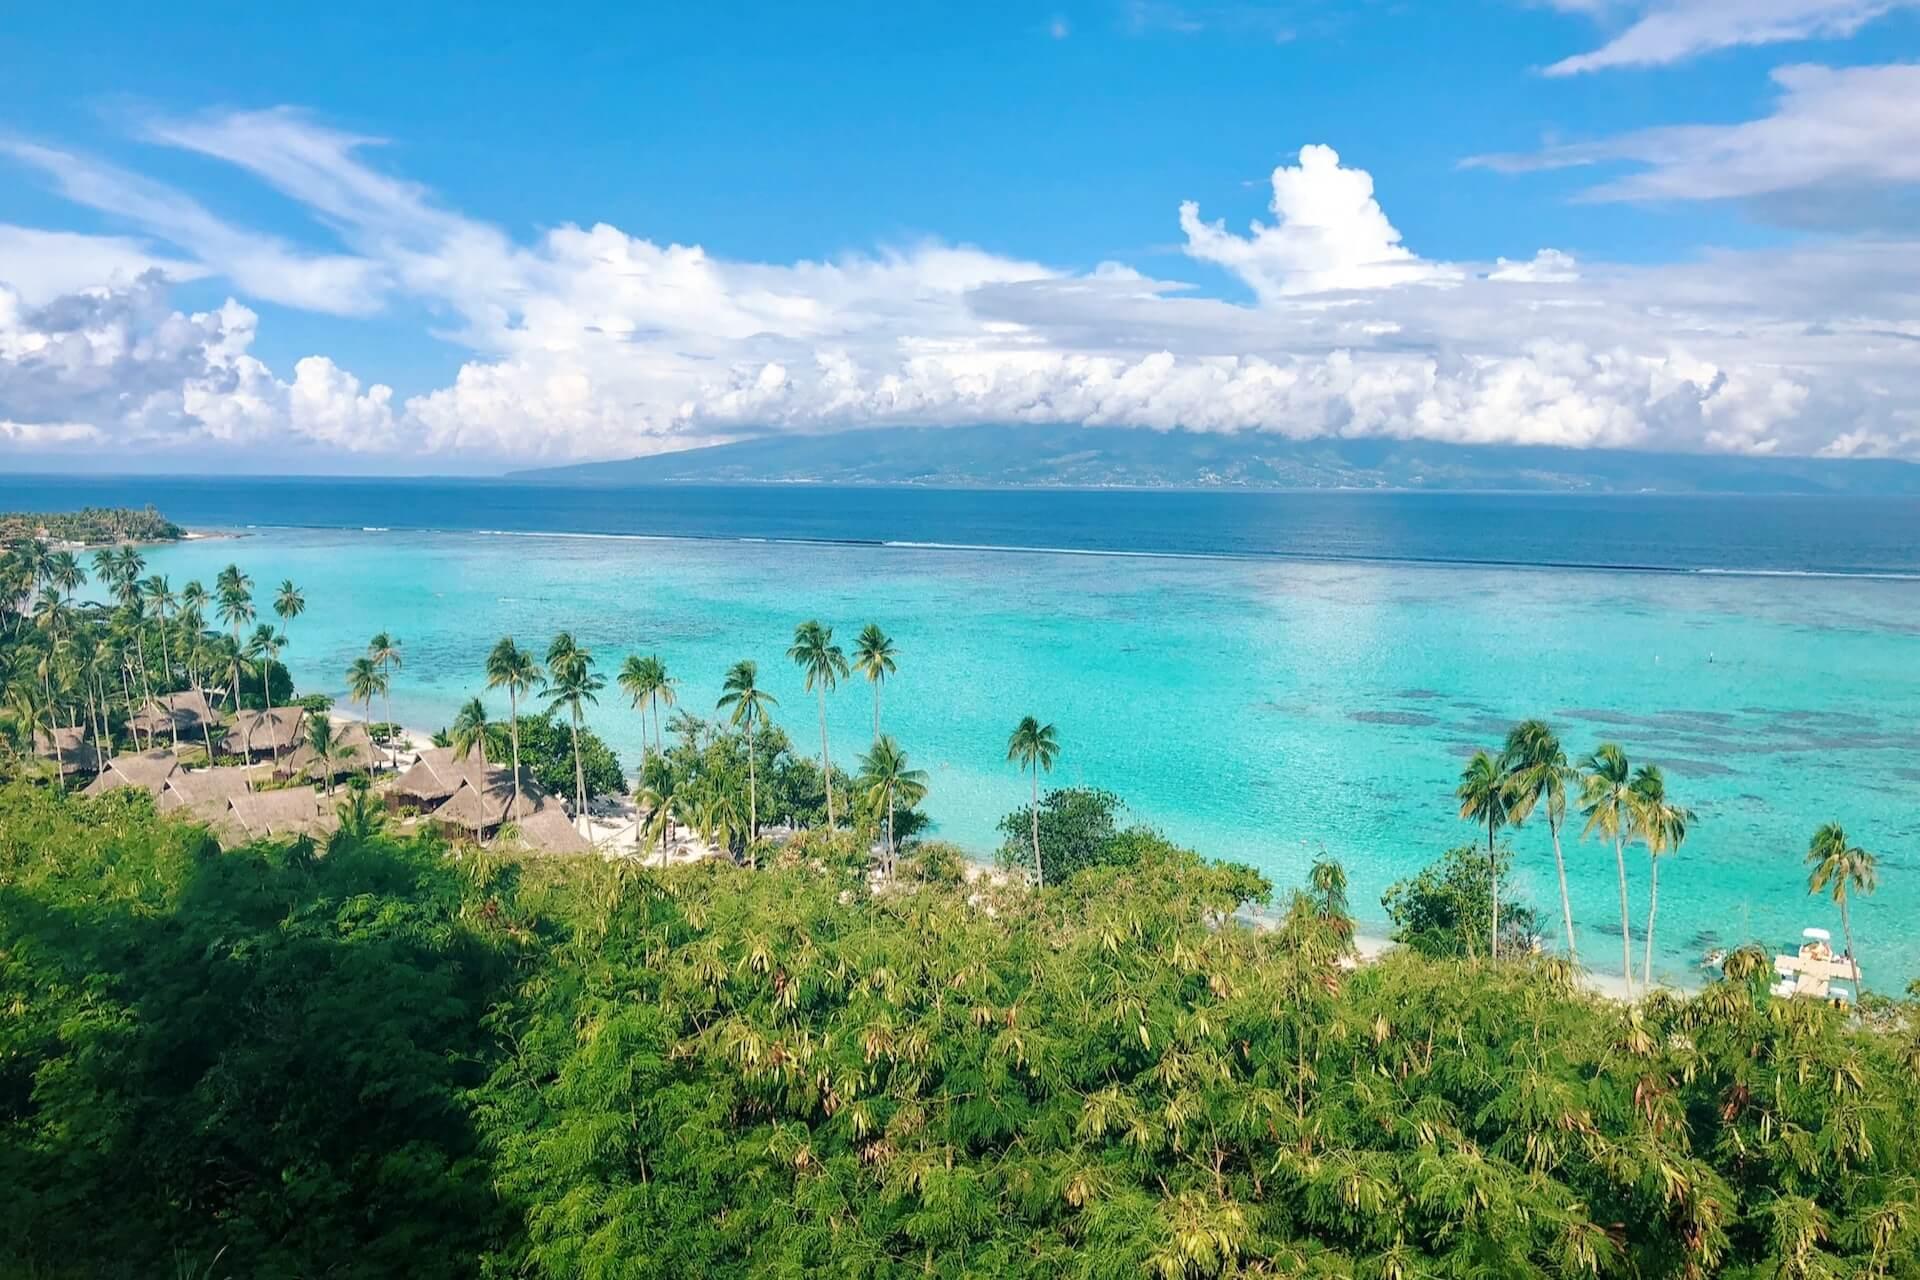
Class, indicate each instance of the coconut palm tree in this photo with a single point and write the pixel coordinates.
(1842, 869)
(873, 657)
(234, 590)
(815, 653)
(1606, 798)
(1485, 798)
(1662, 827)
(888, 782)
(159, 595)
(264, 648)
(1538, 775)
(644, 680)
(571, 681)
(365, 682)
(324, 742)
(384, 649)
(469, 730)
(64, 574)
(288, 603)
(749, 703)
(512, 668)
(1034, 746)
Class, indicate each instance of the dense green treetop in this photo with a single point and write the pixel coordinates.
(92, 526)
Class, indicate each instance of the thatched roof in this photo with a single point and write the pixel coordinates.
(68, 746)
(353, 748)
(204, 793)
(481, 801)
(277, 730)
(295, 811)
(186, 710)
(437, 774)
(148, 769)
(551, 831)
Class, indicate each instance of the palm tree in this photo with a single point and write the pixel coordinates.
(873, 657)
(1662, 827)
(888, 782)
(512, 668)
(642, 680)
(288, 603)
(264, 647)
(469, 731)
(571, 681)
(365, 682)
(749, 702)
(1035, 746)
(384, 649)
(64, 574)
(323, 740)
(1538, 774)
(159, 594)
(1606, 798)
(1845, 869)
(814, 651)
(1484, 797)
(235, 592)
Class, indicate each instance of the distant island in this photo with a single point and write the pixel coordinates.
(1007, 456)
(92, 526)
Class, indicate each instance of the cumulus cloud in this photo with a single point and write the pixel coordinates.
(1833, 129)
(594, 342)
(1672, 31)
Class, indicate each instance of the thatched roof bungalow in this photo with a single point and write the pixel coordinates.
(186, 712)
(203, 793)
(146, 769)
(262, 733)
(69, 748)
(296, 811)
(549, 831)
(353, 750)
(480, 804)
(433, 778)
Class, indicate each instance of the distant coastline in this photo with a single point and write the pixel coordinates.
(91, 526)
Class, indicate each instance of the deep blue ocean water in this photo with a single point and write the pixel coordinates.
(1260, 675)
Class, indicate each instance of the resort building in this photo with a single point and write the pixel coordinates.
(150, 770)
(203, 793)
(261, 735)
(297, 811)
(185, 714)
(69, 748)
(353, 751)
(547, 831)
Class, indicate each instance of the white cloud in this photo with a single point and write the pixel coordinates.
(1833, 129)
(1672, 31)
(592, 342)
(39, 266)
(1329, 234)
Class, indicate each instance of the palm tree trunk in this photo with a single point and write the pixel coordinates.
(753, 791)
(513, 721)
(1039, 875)
(166, 660)
(393, 745)
(1566, 903)
(579, 774)
(1493, 871)
(826, 765)
(876, 711)
(266, 696)
(889, 816)
(126, 692)
(1853, 957)
(1626, 920)
(1653, 909)
(146, 691)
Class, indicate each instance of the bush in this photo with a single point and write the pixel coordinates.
(1447, 909)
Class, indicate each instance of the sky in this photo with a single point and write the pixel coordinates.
(437, 238)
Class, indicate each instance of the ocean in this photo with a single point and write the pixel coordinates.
(1261, 676)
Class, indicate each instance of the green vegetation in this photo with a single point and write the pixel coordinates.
(387, 1061)
(91, 526)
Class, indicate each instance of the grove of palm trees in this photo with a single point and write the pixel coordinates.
(836, 1047)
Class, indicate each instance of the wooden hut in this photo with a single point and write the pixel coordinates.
(260, 735)
(146, 769)
(185, 713)
(353, 751)
(296, 811)
(205, 794)
(69, 749)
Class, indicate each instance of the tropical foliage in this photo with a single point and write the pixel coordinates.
(90, 526)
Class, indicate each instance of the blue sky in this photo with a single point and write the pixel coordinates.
(1039, 141)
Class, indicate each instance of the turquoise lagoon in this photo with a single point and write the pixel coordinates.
(1258, 710)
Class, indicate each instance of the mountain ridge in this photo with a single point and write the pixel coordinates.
(996, 456)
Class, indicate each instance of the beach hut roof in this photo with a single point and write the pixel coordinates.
(69, 747)
(204, 793)
(438, 773)
(551, 831)
(295, 811)
(148, 769)
(188, 709)
(353, 748)
(274, 730)
(481, 800)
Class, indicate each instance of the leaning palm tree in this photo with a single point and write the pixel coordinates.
(1842, 869)
(264, 648)
(1537, 774)
(889, 783)
(1606, 798)
(1662, 827)
(324, 742)
(1034, 746)
(815, 653)
(512, 668)
(365, 682)
(469, 730)
(1484, 797)
(571, 681)
(384, 649)
(749, 703)
(873, 657)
